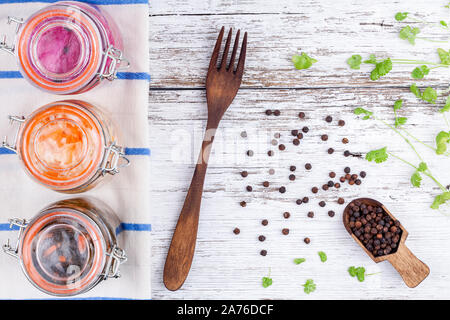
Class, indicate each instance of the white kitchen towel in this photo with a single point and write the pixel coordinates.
(125, 100)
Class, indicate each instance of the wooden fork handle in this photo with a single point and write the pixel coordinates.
(412, 270)
(181, 251)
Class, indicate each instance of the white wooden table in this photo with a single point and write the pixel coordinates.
(226, 266)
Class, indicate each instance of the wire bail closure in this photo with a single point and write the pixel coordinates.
(3, 45)
(14, 250)
(111, 160)
(5, 143)
(116, 56)
(116, 256)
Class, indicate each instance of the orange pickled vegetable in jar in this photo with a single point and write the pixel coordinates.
(68, 146)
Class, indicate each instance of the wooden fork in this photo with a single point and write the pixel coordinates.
(222, 85)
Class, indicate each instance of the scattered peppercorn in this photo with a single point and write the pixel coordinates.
(325, 187)
(270, 153)
(324, 137)
(292, 177)
(341, 123)
(292, 168)
(305, 199)
(274, 142)
(244, 174)
(329, 119)
(268, 112)
(271, 171)
(314, 190)
(282, 189)
(249, 188)
(310, 214)
(342, 179)
(250, 153)
(263, 253)
(337, 185)
(296, 142)
(301, 115)
(346, 153)
(243, 203)
(277, 135)
(344, 140)
(244, 134)
(322, 204)
(307, 240)
(331, 213)
(347, 170)
(294, 132)
(282, 147)
(265, 222)
(266, 184)
(341, 201)
(277, 113)
(286, 215)
(236, 231)
(308, 166)
(362, 174)
(357, 182)
(300, 136)
(332, 174)
(330, 150)
(298, 201)
(285, 231)
(261, 238)
(330, 183)
(305, 129)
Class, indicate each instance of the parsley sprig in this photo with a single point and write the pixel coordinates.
(267, 281)
(309, 286)
(359, 273)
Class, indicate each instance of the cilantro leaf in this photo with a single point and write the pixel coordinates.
(299, 260)
(408, 33)
(400, 121)
(442, 139)
(360, 273)
(303, 61)
(440, 199)
(400, 16)
(414, 89)
(266, 282)
(367, 113)
(354, 61)
(446, 107)
(372, 59)
(398, 104)
(309, 286)
(352, 271)
(378, 156)
(422, 167)
(322, 255)
(443, 23)
(382, 68)
(420, 72)
(444, 56)
(429, 95)
(416, 179)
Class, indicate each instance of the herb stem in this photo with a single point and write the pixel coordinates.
(431, 40)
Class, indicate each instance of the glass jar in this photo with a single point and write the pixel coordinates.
(68, 47)
(67, 146)
(69, 247)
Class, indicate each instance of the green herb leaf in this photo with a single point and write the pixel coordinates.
(381, 69)
(400, 16)
(400, 121)
(420, 72)
(354, 61)
(443, 23)
(429, 95)
(322, 255)
(442, 139)
(446, 107)
(360, 273)
(372, 59)
(444, 56)
(422, 167)
(352, 271)
(367, 113)
(303, 61)
(408, 33)
(398, 105)
(266, 282)
(309, 286)
(378, 156)
(416, 179)
(414, 89)
(299, 260)
(440, 199)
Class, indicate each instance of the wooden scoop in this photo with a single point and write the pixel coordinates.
(412, 270)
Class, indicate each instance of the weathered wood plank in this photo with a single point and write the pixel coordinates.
(230, 267)
(183, 33)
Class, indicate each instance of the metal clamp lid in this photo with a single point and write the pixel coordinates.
(113, 155)
(115, 66)
(116, 256)
(5, 143)
(10, 48)
(14, 250)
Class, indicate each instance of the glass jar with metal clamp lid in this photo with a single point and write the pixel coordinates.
(69, 247)
(68, 47)
(68, 146)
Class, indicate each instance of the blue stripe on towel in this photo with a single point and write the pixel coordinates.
(5, 227)
(97, 2)
(120, 75)
(128, 151)
(133, 227)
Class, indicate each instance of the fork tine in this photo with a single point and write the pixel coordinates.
(233, 54)
(241, 62)
(215, 55)
(225, 51)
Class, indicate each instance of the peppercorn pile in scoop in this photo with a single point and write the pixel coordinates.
(377, 231)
